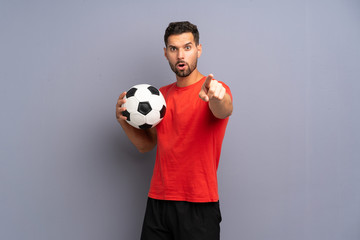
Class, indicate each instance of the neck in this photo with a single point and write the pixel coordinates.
(194, 77)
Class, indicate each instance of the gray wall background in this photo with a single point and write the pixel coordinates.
(290, 166)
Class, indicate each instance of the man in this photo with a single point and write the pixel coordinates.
(183, 199)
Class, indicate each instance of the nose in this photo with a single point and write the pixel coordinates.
(180, 54)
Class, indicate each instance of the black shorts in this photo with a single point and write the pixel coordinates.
(177, 220)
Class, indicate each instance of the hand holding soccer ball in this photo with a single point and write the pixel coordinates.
(143, 106)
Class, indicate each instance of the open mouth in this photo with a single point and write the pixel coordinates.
(181, 66)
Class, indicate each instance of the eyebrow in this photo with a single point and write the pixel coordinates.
(189, 43)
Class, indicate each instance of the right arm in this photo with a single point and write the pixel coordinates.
(144, 140)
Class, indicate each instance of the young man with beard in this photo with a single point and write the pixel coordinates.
(183, 201)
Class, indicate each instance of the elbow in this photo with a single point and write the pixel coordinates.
(224, 114)
(145, 149)
(230, 112)
(142, 149)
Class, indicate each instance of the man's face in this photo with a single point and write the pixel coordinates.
(182, 54)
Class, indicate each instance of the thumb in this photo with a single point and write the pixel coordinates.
(203, 95)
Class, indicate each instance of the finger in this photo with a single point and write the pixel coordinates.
(211, 92)
(204, 96)
(121, 117)
(213, 88)
(121, 99)
(119, 113)
(222, 93)
(217, 91)
(120, 109)
(120, 102)
(122, 95)
(208, 80)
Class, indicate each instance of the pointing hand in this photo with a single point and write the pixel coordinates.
(212, 90)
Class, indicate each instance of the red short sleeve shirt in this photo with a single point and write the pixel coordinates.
(189, 140)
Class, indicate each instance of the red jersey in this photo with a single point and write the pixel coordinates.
(189, 140)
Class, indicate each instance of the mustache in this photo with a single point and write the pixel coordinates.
(181, 62)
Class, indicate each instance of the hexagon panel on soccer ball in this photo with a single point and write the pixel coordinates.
(131, 104)
(157, 102)
(142, 94)
(153, 117)
(137, 118)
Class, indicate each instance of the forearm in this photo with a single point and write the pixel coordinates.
(221, 108)
(144, 140)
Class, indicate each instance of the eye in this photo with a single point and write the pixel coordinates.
(172, 49)
(188, 47)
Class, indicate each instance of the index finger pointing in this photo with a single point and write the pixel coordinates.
(208, 80)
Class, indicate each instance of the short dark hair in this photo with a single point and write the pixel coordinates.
(176, 28)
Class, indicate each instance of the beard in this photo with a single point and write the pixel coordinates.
(183, 73)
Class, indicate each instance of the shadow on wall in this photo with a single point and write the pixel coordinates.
(134, 167)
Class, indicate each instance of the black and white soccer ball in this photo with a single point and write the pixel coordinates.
(145, 106)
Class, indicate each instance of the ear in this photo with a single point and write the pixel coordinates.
(165, 53)
(199, 48)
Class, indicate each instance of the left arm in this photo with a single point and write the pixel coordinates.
(220, 102)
